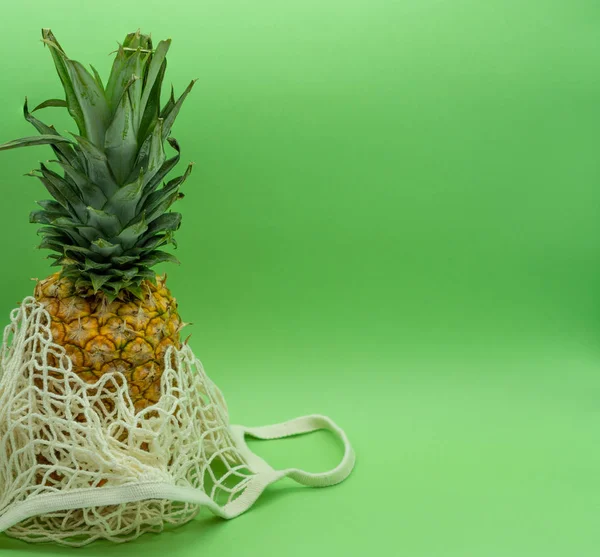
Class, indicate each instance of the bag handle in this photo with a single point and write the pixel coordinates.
(297, 426)
(264, 476)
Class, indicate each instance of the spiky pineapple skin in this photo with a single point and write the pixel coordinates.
(128, 335)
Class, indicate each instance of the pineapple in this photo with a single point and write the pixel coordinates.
(109, 216)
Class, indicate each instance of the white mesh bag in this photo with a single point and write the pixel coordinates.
(78, 464)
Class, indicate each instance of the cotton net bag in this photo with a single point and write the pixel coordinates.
(78, 463)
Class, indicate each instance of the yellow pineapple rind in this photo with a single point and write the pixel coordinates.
(130, 335)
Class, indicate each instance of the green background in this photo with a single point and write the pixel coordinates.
(393, 220)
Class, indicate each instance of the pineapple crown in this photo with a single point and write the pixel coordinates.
(109, 214)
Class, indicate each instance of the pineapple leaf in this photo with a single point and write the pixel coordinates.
(59, 184)
(124, 202)
(170, 116)
(98, 168)
(131, 61)
(125, 259)
(137, 291)
(70, 228)
(62, 150)
(147, 274)
(57, 193)
(156, 257)
(91, 99)
(54, 235)
(35, 140)
(169, 104)
(51, 102)
(98, 79)
(51, 244)
(155, 69)
(168, 221)
(90, 264)
(70, 271)
(90, 192)
(121, 143)
(58, 55)
(98, 281)
(102, 247)
(158, 208)
(44, 217)
(90, 233)
(180, 179)
(159, 201)
(156, 241)
(156, 154)
(49, 231)
(129, 236)
(79, 251)
(120, 74)
(151, 155)
(152, 108)
(127, 274)
(51, 205)
(58, 260)
(166, 167)
(107, 223)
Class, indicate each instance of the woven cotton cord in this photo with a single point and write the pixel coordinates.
(77, 463)
(183, 440)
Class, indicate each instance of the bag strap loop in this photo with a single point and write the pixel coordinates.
(298, 426)
(264, 476)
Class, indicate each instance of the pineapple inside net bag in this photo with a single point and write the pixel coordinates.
(78, 463)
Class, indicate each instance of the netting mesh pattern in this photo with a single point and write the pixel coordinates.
(59, 433)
